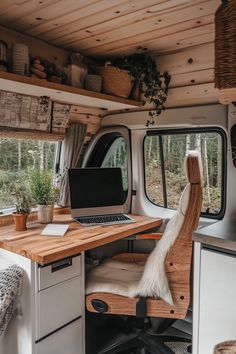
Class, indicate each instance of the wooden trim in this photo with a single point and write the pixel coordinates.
(227, 96)
(62, 93)
(19, 133)
(152, 236)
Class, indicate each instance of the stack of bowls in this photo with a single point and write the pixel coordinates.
(20, 59)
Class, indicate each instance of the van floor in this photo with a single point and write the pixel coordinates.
(102, 331)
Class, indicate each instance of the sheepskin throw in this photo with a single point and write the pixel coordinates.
(10, 286)
(138, 279)
(154, 282)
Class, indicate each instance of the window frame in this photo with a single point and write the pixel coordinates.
(98, 148)
(162, 132)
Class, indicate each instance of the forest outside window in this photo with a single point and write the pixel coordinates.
(18, 158)
(164, 153)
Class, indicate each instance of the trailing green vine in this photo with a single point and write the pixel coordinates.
(153, 84)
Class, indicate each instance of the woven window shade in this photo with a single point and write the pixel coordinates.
(29, 134)
(225, 45)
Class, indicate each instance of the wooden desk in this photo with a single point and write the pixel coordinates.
(47, 249)
(52, 297)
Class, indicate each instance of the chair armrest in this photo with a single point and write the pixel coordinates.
(151, 236)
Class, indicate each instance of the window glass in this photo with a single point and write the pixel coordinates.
(116, 156)
(17, 158)
(165, 177)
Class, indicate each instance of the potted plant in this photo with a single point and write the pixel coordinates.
(22, 204)
(149, 81)
(44, 193)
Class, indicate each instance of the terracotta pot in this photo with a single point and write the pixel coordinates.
(20, 221)
(45, 213)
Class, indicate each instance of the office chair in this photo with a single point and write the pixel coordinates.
(120, 285)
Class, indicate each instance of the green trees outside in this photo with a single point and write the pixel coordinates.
(17, 158)
(174, 151)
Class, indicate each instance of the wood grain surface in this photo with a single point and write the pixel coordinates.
(46, 249)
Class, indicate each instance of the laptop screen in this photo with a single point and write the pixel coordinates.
(95, 187)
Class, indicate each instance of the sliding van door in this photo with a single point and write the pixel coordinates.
(111, 148)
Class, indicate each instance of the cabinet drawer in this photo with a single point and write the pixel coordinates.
(58, 305)
(58, 272)
(67, 340)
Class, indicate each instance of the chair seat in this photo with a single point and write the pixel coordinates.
(115, 277)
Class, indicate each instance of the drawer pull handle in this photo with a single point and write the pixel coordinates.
(61, 265)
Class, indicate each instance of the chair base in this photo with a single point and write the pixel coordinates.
(143, 343)
(139, 339)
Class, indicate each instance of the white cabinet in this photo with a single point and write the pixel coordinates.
(67, 340)
(58, 305)
(58, 272)
(214, 300)
(50, 314)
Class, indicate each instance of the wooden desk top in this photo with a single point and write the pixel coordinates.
(46, 249)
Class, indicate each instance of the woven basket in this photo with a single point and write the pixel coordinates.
(228, 347)
(225, 45)
(116, 82)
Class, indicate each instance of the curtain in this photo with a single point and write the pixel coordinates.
(71, 150)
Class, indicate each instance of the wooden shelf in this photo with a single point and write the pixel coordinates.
(19, 133)
(62, 93)
(227, 96)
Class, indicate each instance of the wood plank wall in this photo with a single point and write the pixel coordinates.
(36, 47)
(192, 71)
(91, 117)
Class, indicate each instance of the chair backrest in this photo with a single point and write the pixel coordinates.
(161, 262)
(178, 259)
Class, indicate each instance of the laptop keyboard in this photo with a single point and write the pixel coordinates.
(103, 219)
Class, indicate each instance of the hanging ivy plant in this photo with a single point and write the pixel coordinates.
(153, 84)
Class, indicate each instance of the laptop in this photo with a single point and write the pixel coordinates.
(97, 196)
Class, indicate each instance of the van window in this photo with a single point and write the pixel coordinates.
(164, 153)
(116, 156)
(17, 158)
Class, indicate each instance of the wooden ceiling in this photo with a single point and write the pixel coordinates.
(100, 28)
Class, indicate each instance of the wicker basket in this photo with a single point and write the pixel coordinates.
(228, 347)
(225, 45)
(116, 82)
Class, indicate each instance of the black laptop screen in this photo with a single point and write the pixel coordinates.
(95, 187)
